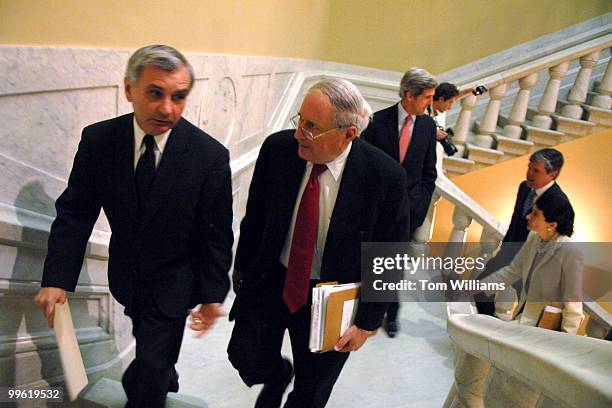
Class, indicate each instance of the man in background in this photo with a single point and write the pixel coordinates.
(542, 172)
(405, 133)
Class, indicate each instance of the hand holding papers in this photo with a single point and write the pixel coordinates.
(70, 355)
(333, 311)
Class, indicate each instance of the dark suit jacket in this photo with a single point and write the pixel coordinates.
(181, 251)
(371, 206)
(420, 162)
(517, 231)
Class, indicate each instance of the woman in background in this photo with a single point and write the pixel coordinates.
(549, 264)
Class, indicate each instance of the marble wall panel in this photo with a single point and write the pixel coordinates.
(252, 95)
(279, 86)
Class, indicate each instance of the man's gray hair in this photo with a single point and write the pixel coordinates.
(351, 107)
(415, 81)
(160, 56)
(552, 159)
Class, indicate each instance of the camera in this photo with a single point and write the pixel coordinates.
(449, 147)
(479, 90)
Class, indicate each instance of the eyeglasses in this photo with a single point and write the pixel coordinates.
(309, 134)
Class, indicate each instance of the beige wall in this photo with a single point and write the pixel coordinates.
(390, 34)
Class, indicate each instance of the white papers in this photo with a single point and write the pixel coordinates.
(70, 355)
(349, 310)
(320, 296)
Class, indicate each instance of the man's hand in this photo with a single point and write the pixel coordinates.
(46, 298)
(204, 318)
(440, 134)
(237, 277)
(352, 340)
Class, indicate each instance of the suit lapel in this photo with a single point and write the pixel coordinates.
(287, 179)
(391, 125)
(123, 166)
(346, 215)
(168, 171)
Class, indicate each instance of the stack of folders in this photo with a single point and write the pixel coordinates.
(333, 311)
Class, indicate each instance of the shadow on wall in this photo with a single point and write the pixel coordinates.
(23, 325)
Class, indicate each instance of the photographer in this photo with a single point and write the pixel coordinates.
(444, 98)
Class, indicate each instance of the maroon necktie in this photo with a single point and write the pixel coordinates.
(295, 292)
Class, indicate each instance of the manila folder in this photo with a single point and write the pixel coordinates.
(333, 316)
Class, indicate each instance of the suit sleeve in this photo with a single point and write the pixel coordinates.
(77, 210)
(393, 225)
(216, 228)
(571, 290)
(252, 225)
(428, 180)
(513, 272)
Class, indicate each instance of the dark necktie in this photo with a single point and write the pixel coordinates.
(295, 292)
(145, 172)
(528, 205)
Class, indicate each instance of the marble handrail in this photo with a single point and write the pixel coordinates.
(549, 367)
(556, 58)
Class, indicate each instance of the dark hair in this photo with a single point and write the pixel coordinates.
(556, 208)
(446, 90)
(552, 159)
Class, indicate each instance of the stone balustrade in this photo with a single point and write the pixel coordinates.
(502, 364)
(507, 129)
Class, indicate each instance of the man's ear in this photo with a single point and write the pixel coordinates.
(554, 174)
(128, 89)
(351, 133)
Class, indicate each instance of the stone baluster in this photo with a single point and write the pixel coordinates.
(422, 235)
(519, 109)
(489, 120)
(471, 376)
(578, 93)
(548, 103)
(489, 242)
(503, 391)
(456, 241)
(462, 126)
(604, 99)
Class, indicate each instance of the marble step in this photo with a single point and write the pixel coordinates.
(573, 128)
(512, 147)
(456, 166)
(482, 156)
(542, 138)
(601, 117)
(107, 393)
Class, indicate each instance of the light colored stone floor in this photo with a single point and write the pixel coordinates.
(415, 369)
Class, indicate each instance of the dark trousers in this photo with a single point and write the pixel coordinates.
(151, 375)
(255, 346)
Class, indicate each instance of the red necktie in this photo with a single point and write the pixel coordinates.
(404, 140)
(295, 292)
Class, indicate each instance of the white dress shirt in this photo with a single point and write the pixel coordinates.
(401, 117)
(541, 190)
(139, 147)
(329, 183)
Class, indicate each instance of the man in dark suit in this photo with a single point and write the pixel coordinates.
(405, 133)
(165, 187)
(317, 193)
(542, 171)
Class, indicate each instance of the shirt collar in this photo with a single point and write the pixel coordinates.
(160, 140)
(336, 166)
(401, 114)
(541, 190)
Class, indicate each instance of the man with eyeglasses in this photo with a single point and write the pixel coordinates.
(317, 193)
